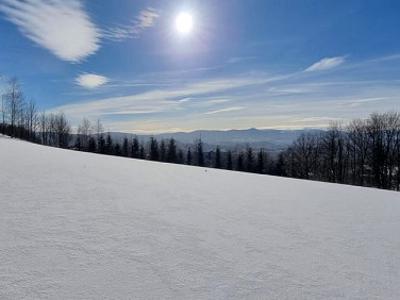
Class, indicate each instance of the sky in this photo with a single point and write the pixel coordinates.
(234, 65)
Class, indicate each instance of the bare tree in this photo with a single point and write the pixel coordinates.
(99, 130)
(31, 119)
(358, 144)
(14, 99)
(3, 112)
(3, 109)
(332, 154)
(62, 130)
(43, 128)
(84, 132)
(382, 130)
(396, 157)
(303, 156)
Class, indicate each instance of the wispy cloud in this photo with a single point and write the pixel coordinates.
(326, 64)
(217, 101)
(145, 19)
(252, 99)
(91, 81)
(62, 27)
(153, 101)
(224, 110)
(359, 102)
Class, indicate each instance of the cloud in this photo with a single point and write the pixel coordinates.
(91, 81)
(153, 101)
(146, 19)
(359, 102)
(62, 27)
(223, 110)
(251, 99)
(326, 64)
(217, 101)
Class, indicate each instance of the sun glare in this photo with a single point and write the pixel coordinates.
(184, 23)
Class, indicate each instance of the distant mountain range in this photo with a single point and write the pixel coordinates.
(270, 139)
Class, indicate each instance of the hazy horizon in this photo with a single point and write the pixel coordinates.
(180, 66)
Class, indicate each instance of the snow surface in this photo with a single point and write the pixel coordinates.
(85, 226)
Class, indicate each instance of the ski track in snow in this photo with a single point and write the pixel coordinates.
(77, 225)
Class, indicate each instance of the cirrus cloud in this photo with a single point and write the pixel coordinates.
(223, 110)
(326, 64)
(62, 27)
(145, 19)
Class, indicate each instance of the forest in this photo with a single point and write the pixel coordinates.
(363, 152)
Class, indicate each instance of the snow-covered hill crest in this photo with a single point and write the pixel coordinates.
(84, 226)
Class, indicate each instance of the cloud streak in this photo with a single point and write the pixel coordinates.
(144, 20)
(254, 99)
(224, 110)
(326, 64)
(156, 101)
(62, 27)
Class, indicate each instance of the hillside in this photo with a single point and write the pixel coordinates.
(84, 226)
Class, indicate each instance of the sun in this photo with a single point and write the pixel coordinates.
(184, 23)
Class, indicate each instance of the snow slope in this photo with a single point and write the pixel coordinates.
(84, 226)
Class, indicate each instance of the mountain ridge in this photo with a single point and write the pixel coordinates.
(271, 139)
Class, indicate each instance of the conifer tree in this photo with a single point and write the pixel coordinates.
(135, 152)
(154, 152)
(280, 165)
(180, 159)
(142, 152)
(229, 161)
(217, 163)
(189, 157)
(163, 151)
(171, 155)
(249, 160)
(78, 143)
(92, 144)
(109, 144)
(240, 162)
(117, 149)
(125, 147)
(260, 161)
(101, 144)
(200, 153)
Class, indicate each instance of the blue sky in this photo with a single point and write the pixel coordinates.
(253, 63)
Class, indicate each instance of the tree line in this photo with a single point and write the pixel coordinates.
(365, 152)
